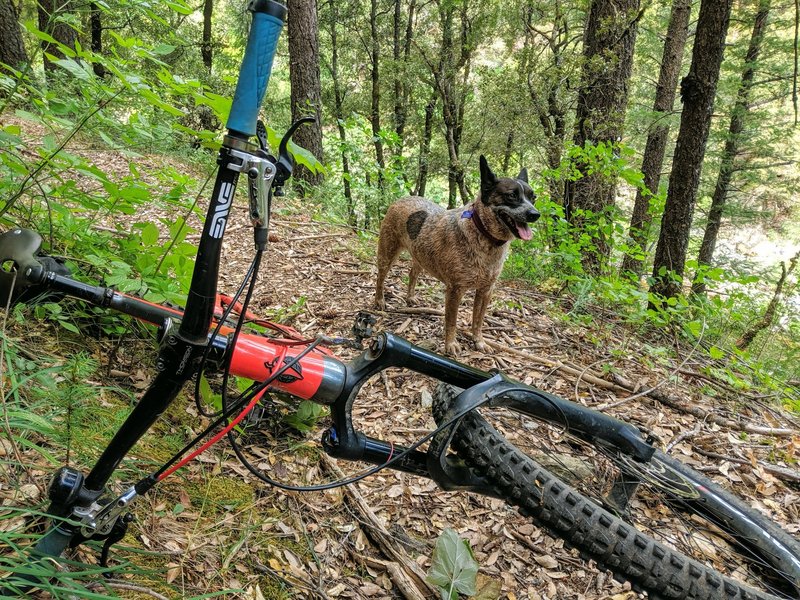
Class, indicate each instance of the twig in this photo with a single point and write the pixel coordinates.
(381, 536)
(683, 436)
(588, 378)
(317, 236)
(414, 310)
(130, 587)
(780, 472)
(649, 391)
(310, 587)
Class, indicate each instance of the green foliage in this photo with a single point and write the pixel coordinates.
(453, 566)
(306, 416)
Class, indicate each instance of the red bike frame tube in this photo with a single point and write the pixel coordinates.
(316, 376)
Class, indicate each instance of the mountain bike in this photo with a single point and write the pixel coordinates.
(595, 481)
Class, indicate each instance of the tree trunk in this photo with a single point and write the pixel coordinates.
(375, 106)
(305, 82)
(697, 94)
(48, 10)
(338, 102)
(769, 314)
(508, 150)
(425, 146)
(735, 129)
(545, 92)
(207, 49)
(12, 48)
(602, 99)
(653, 160)
(407, 44)
(96, 26)
(453, 58)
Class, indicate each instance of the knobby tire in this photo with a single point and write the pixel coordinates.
(601, 535)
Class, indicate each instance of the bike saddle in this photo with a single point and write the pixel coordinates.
(19, 250)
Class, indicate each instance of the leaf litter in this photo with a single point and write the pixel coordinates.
(267, 543)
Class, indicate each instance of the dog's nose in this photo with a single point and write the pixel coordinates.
(532, 216)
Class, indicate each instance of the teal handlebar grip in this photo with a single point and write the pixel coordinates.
(268, 19)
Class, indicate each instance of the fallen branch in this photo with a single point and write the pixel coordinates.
(587, 377)
(399, 577)
(381, 536)
(704, 415)
(779, 472)
(620, 385)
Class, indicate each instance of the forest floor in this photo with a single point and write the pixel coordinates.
(216, 527)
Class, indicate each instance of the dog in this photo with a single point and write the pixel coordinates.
(464, 248)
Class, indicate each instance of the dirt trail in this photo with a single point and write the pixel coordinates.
(324, 274)
(233, 531)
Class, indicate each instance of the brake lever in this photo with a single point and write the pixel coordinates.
(285, 164)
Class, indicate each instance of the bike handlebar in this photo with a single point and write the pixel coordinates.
(268, 19)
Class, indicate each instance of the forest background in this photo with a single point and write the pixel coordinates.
(593, 98)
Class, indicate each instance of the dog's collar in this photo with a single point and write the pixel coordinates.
(473, 214)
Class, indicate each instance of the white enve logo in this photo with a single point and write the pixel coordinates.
(220, 217)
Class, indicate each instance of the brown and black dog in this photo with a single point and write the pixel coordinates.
(465, 248)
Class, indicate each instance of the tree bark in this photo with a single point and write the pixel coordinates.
(600, 114)
(12, 47)
(375, 106)
(96, 27)
(454, 56)
(740, 110)
(697, 94)
(47, 11)
(338, 103)
(655, 148)
(305, 82)
(425, 145)
(401, 111)
(546, 91)
(207, 49)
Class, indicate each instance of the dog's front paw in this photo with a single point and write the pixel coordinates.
(480, 345)
(411, 301)
(380, 303)
(452, 348)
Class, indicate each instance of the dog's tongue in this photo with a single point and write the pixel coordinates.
(524, 231)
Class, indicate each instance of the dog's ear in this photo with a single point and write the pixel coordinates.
(488, 179)
(523, 175)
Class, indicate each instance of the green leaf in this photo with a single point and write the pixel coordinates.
(715, 353)
(69, 326)
(454, 569)
(180, 8)
(695, 328)
(149, 234)
(205, 390)
(78, 70)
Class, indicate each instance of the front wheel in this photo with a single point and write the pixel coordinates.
(660, 525)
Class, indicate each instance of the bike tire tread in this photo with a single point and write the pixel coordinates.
(596, 533)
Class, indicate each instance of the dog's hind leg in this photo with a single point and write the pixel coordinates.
(388, 248)
(482, 297)
(413, 275)
(453, 297)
